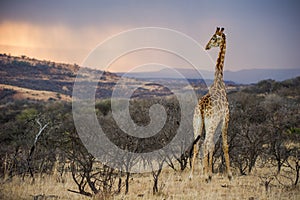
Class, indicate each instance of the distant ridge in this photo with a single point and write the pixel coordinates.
(247, 76)
(255, 75)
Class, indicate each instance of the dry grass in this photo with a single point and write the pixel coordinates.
(176, 185)
(29, 94)
(47, 186)
(173, 185)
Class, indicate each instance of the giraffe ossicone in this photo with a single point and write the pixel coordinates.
(211, 111)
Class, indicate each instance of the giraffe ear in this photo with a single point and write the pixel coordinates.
(222, 29)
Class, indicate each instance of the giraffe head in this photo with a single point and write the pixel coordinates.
(217, 39)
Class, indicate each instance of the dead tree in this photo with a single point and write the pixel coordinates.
(29, 159)
(155, 174)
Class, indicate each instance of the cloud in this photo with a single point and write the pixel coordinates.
(62, 43)
(260, 33)
(56, 42)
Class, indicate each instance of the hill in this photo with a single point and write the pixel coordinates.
(32, 79)
(264, 140)
(36, 77)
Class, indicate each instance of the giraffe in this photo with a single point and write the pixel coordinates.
(211, 111)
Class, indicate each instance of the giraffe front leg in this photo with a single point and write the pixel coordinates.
(225, 147)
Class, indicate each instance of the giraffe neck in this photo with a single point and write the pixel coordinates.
(220, 63)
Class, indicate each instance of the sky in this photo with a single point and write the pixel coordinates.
(260, 33)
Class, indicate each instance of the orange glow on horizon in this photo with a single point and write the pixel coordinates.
(71, 45)
(57, 43)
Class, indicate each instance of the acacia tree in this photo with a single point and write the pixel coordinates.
(246, 130)
(88, 173)
(260, 127)
(281, 116)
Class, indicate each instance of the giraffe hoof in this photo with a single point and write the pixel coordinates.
(208, 179)
(230, 177)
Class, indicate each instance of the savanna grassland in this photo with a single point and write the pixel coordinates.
(173, 185)
(42, 156)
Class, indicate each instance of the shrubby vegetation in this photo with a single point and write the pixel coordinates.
(264, 132)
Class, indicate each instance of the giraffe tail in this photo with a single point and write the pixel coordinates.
(198, 125)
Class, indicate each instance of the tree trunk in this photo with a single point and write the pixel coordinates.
(127, 182)
(297, 172)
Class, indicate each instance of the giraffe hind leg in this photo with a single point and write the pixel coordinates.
(209, 145)
(198, 128)
(205, 158)
(210, 161)
(195, 153)
(208, 158)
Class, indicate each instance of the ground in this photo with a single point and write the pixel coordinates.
(173, 185)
